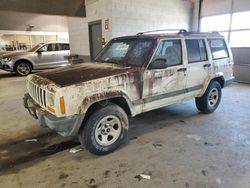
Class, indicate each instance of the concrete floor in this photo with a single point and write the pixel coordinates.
(176, 145)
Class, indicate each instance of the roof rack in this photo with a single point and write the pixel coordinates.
(184, 32)
(180, 31)
(213, 33)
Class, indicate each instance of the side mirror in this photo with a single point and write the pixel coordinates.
(159, 63)
(39, 51)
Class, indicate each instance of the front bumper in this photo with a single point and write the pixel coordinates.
(65, 126)
(7, 66)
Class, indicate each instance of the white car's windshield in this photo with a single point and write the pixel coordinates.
(35, 47)
(126, 52)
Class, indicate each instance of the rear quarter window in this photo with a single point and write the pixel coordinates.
(63, 47)
(218, 48)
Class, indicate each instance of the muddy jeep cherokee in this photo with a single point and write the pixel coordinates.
(131, 75)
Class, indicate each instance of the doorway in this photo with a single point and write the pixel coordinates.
(95, 38)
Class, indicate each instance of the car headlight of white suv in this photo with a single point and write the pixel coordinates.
(6, 59)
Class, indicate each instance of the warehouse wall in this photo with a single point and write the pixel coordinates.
(131, 17)
(242, 64)
(78, 27)
(17, 22)
(128, 17)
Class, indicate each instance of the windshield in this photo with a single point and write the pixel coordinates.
(35, 47)
(126, 52)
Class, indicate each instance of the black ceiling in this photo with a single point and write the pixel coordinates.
(75, 8)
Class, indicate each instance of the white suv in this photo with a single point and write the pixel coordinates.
(131, 75)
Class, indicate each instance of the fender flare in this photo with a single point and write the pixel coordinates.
(98, 97)
(210, 78)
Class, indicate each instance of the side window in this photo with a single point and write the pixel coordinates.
(196, 50)
(218, 48)
(62, 47)
(171, 51)
(49, 48)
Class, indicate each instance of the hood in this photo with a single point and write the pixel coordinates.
(14, 54)
(78, 73)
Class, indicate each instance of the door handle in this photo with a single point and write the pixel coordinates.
(207, 65)
(158, 75)
(182, 69)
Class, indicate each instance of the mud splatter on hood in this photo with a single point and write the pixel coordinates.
(79, 73)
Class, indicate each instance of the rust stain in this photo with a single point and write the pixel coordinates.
(35, 79)
(76, 74)
(99, 97)
(42, 82)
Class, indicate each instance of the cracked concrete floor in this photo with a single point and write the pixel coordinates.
(176, 145)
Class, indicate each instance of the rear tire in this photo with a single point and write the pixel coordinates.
(209, 102)
(105, 130)
(22, 68)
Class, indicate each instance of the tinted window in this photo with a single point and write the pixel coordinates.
(63, 47)
(218, 48)
(49, 48)
(196, 50)
(171, 51)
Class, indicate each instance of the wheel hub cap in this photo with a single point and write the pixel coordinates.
(23, 69)
(108, 130)
(213, 97)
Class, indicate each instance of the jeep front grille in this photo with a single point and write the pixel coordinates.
(38, 94)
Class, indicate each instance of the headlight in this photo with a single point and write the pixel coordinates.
(51, 102)
(6, 59)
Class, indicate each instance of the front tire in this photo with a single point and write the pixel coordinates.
(105, 130)
(209, 102)
(23, 68)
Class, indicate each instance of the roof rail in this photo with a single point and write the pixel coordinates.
(145, 32)
(213, 33)
(183, 32)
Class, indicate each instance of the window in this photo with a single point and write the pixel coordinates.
(171, 51)
(196, 50)
(215, 23)
(62, 47)
(237, 33)
(239, 20)
(240, 38)
(49, 48)
(218, 48)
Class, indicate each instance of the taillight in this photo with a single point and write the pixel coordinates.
(232, 68)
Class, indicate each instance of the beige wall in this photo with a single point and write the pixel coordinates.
(78, 27)
(131, 17)
(128, 17)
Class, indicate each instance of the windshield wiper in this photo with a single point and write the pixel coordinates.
(110, 61)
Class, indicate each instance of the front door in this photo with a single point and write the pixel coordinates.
(198, 67)
(165, 85)
(95, 38)
(46, 57)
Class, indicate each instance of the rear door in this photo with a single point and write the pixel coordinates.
(198, 65)
(63, 50)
